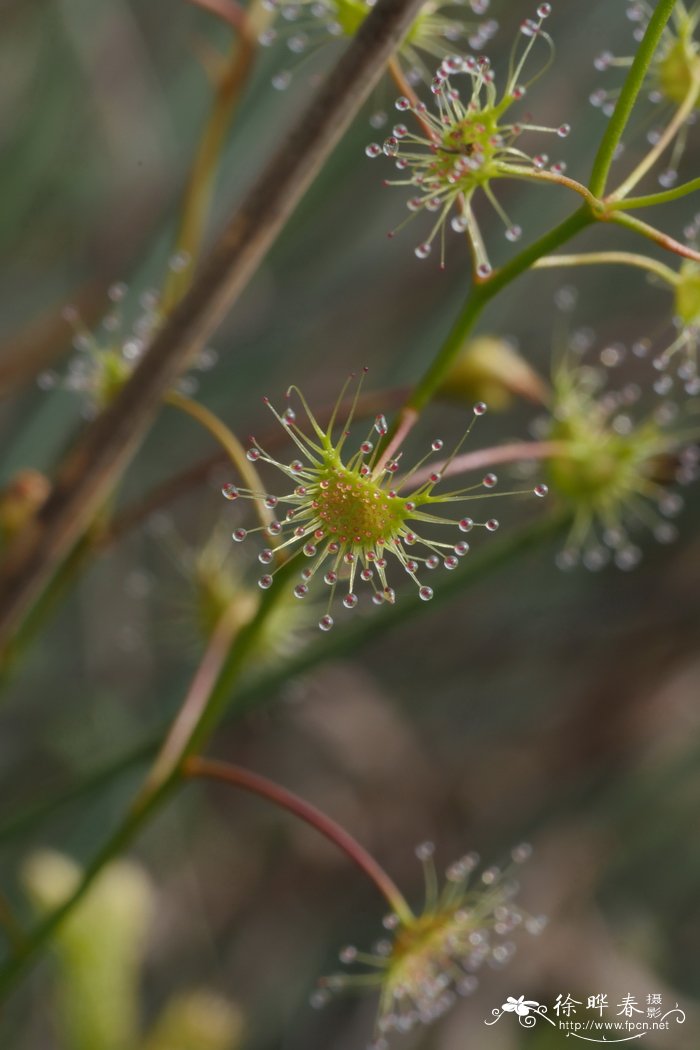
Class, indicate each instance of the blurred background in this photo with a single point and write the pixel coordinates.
(560, 708)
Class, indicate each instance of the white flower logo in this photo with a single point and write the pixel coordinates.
(520, 1006)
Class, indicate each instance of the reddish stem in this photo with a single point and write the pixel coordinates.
(407, 420)
(489, 457)
(175, 744)
(651, 233)
(226, 10)
(397, 75)
(211, 769)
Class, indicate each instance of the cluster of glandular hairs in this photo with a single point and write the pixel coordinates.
(619, 465)
(105, 357)
(673, 73)
(439, 26)
(467, 144)
(687, 322)
(686, 318)
(350, 511)
(426, 961)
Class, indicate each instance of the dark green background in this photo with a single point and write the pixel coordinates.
(561, 708)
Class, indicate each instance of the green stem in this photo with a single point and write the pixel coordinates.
(628, 96)
(489, 559)
(497, 555)
(662, 197)
(58, 587)
(210, 769)
(210, 692)
(482, 293)
(643, 262)
(670, 244)
(25, 952)
(177, 738)
(676, 123)
(552, 178)
(229, 443)
(155, 792)
(494, 556)
(238, 659)
(220, 694)
(100, 454)
(63, 580)
(198, 193)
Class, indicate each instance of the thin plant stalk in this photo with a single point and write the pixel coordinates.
(485, 290)
(98, 458)
(482, 294)
(210, 769)
(662, 197)
(148, 803)
(645, 229)
(671, 130)
(177, 738)
(229, 443)
(643, 262)
(633, 84)
(92, 468)
(231, 82)
(517, 452)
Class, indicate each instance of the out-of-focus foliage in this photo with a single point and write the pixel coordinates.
(557, 707)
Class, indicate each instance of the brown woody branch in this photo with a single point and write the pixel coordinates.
(104, 449)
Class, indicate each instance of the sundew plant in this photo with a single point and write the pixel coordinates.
(316, 544)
